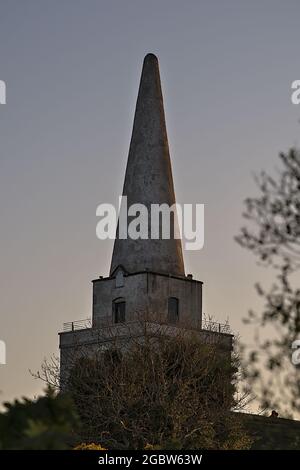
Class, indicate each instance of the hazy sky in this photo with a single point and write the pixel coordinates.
(72, 70)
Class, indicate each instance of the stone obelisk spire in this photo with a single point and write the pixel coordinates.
(149, 180)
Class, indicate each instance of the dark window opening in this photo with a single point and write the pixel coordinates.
(119, 311)
(173, 310)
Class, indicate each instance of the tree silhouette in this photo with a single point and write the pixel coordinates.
(272, 234)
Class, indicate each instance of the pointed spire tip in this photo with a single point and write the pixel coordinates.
(150, 58)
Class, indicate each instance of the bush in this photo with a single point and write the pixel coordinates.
(46, 423)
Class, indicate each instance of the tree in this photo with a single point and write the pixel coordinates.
(161, 390)
(273, 235)
(47, 423)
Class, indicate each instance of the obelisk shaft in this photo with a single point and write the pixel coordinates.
(149, 180)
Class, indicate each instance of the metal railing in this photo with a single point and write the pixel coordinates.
(77, 325)
(207, 325)
(216, 327)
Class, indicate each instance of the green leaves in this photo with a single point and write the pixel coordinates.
(48, 422)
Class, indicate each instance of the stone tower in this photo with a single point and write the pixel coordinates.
(147, 277)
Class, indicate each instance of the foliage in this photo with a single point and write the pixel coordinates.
(45, 423)
(274, 237)
(275, 214)
(173, 392)
(91, 446)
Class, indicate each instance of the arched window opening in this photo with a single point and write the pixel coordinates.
(119, 313)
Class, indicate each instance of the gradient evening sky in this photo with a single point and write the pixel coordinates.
(72, 70)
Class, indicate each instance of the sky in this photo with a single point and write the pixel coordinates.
(72, 69)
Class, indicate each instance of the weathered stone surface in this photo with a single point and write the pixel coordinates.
(149, 180)
(147, 281)
(146, 295)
